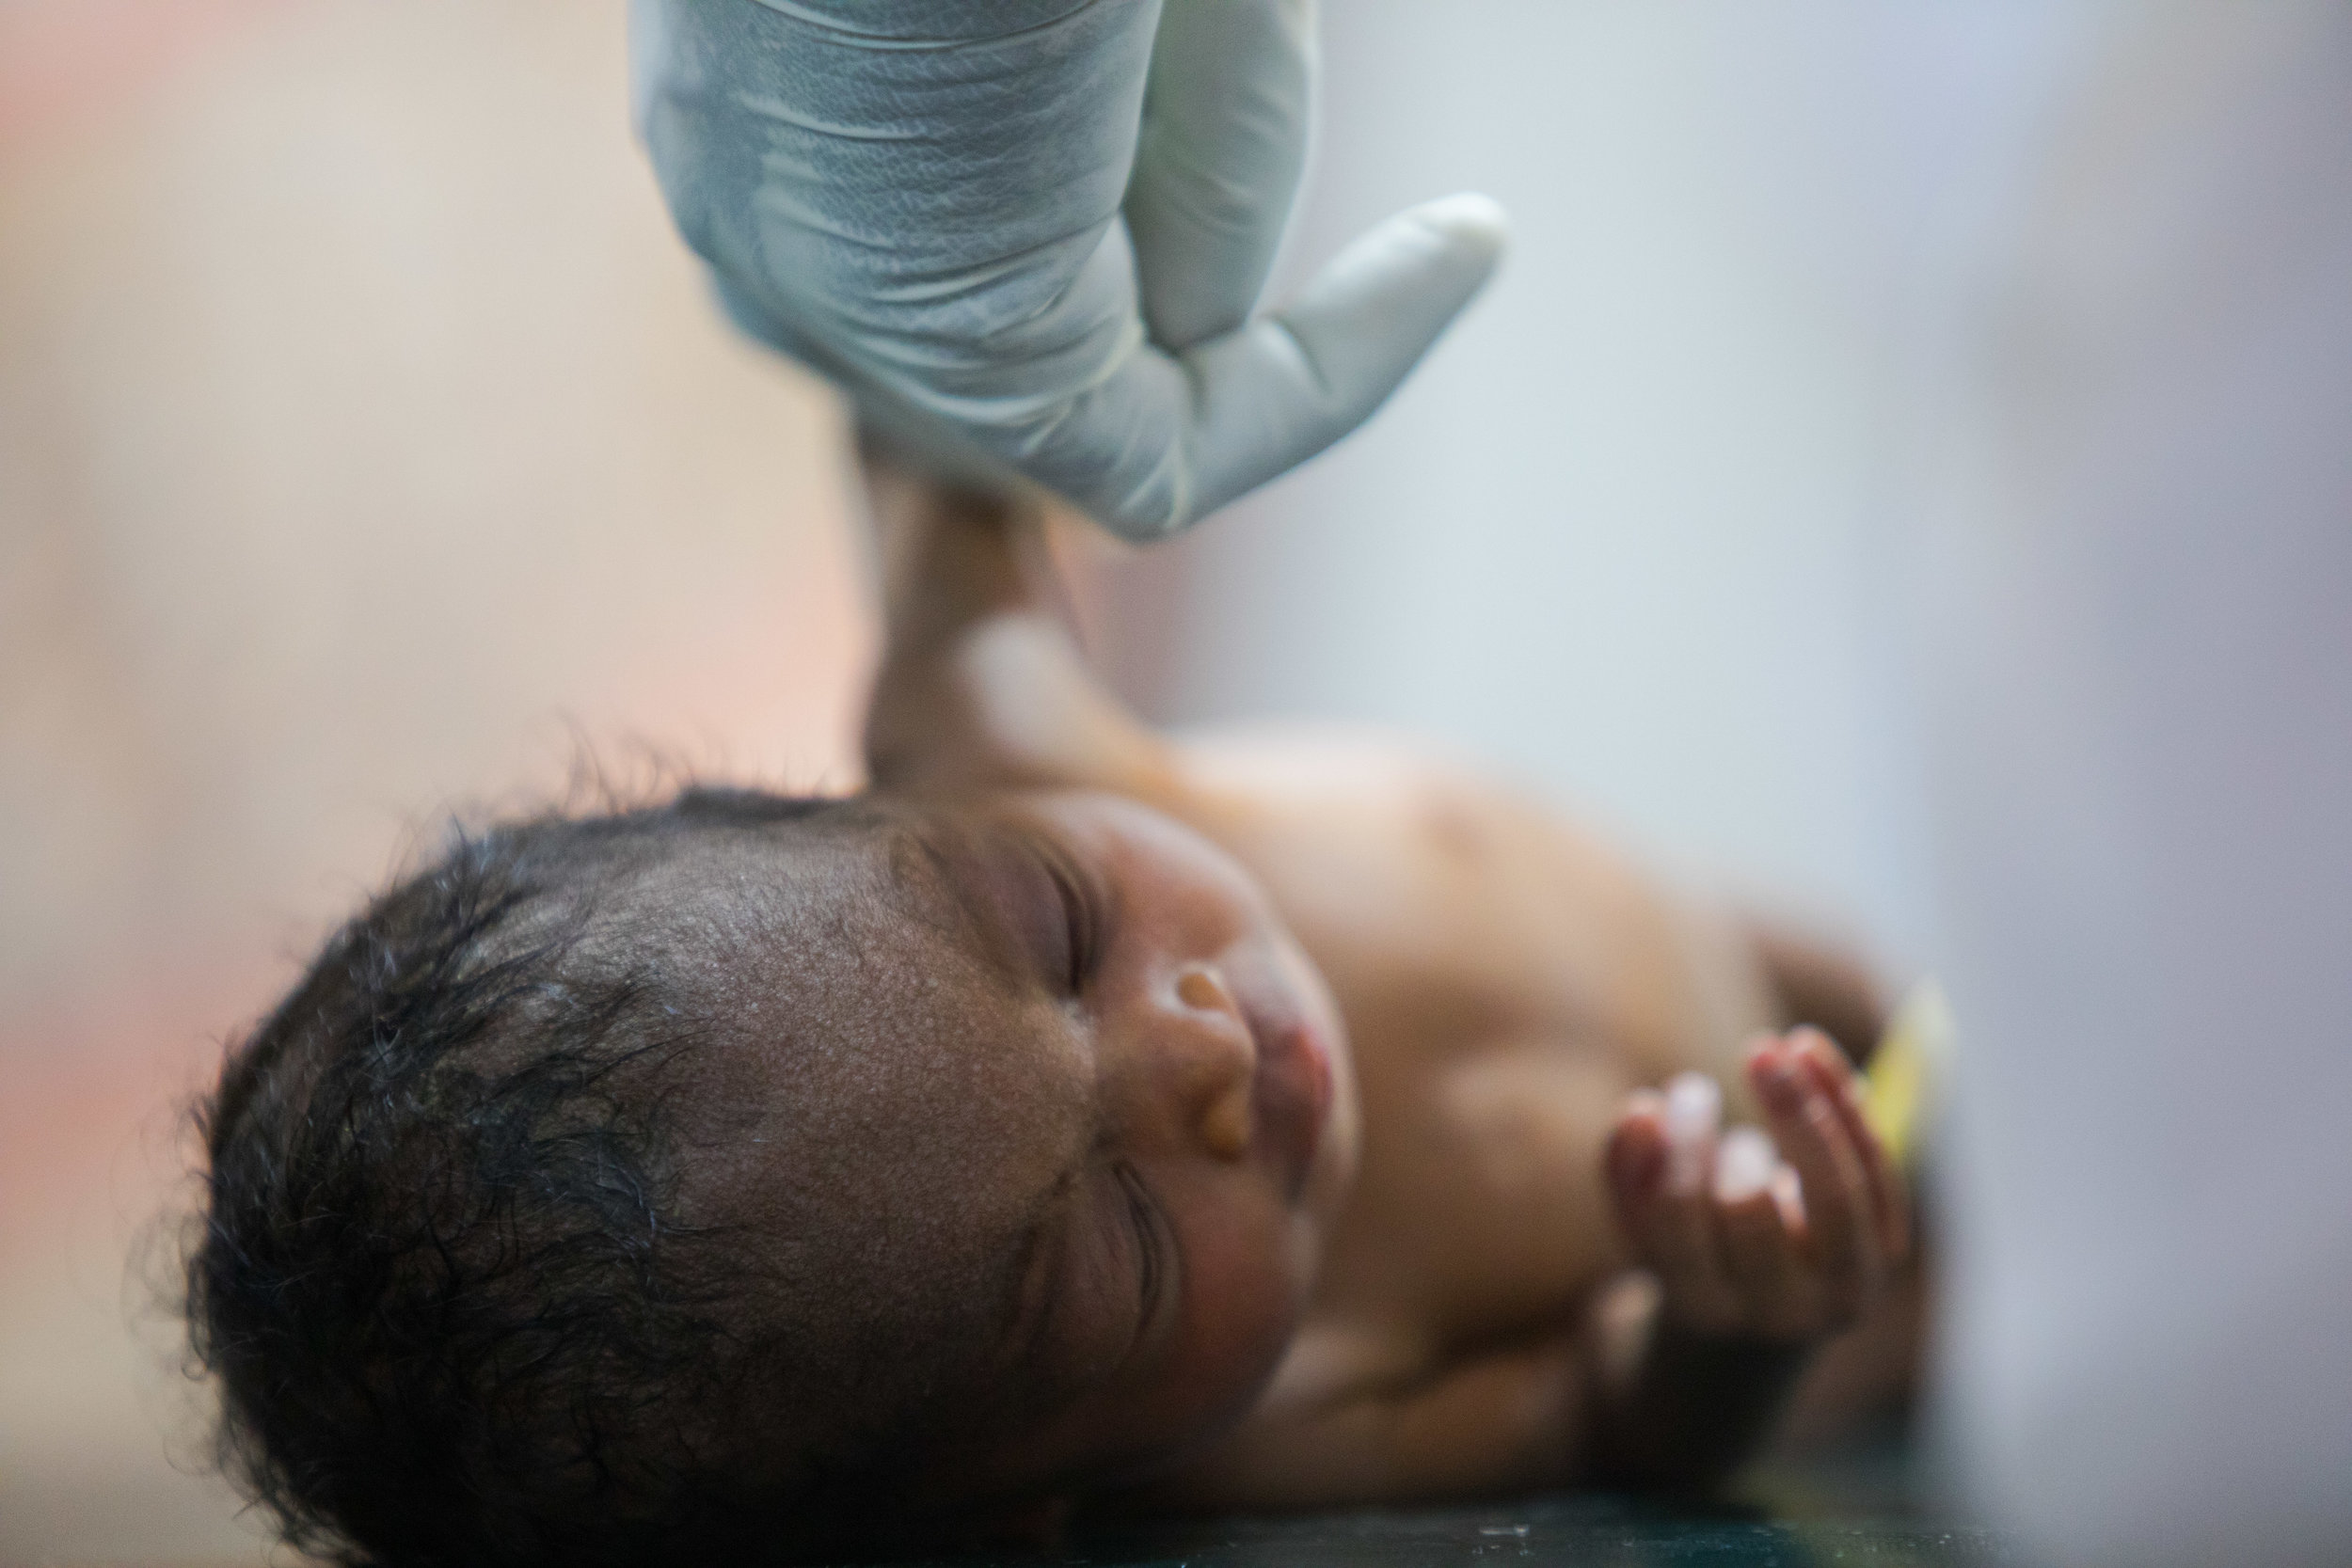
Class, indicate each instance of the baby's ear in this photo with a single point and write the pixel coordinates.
(1036, 1523)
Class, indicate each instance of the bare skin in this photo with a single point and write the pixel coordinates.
(1447, 1311)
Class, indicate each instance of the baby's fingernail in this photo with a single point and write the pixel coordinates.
(1638, 1169)
(1694, 1107)
(1694, 1104)
(1788, 1193)
(1820, 1054)
(1743, 1164)
(1780, 1085)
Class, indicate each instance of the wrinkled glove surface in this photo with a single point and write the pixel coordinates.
(1028, 235)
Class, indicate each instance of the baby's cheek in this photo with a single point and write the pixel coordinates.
(1243, 1295)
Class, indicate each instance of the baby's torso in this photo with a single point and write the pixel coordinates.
(1506, 981)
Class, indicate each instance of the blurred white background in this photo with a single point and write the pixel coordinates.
(1617, 534)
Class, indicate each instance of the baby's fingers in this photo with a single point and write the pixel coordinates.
(1664, 1208)
(1843, 1245)
(1759, 1252)
(1890, 1208)
(1636, 1157)
(1684, 1252)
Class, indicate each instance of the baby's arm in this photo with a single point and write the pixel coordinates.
(981, 684)
(1671, 1394)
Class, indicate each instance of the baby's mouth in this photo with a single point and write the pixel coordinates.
(1292, 1094)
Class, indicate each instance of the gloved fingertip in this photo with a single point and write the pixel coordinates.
(1471, 219)
(1275, 393)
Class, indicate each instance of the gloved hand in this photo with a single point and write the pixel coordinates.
(1028, 235)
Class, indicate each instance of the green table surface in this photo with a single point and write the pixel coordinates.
(1586, 1530)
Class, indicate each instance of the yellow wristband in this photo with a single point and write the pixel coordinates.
(1907, 1071)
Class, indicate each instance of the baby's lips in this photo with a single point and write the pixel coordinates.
(1293, 1091)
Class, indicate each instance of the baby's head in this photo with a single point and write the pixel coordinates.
(758, 1176)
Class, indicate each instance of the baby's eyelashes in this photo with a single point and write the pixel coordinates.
(1082, 926)
(1152, 1250)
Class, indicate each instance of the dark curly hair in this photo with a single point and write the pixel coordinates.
(442, 1279)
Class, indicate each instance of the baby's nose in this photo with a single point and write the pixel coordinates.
(1217, 1061)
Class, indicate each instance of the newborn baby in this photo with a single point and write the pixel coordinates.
(1265, 1123)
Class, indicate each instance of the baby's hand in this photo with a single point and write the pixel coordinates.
(1747, 1239)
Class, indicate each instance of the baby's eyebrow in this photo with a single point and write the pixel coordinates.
(924, 876)
(943, 860)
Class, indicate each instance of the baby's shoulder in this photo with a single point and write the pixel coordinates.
(1388, 792)
(1297, 755)
(1351, 823)
(1427, 889)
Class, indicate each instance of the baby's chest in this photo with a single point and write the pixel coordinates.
(1480, 1213)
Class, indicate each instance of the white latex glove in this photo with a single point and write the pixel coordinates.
(1028, 235)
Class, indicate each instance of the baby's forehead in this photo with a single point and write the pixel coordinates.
(864, 874)
(862, 1048)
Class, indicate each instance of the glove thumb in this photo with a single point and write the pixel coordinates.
(1283, 387)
